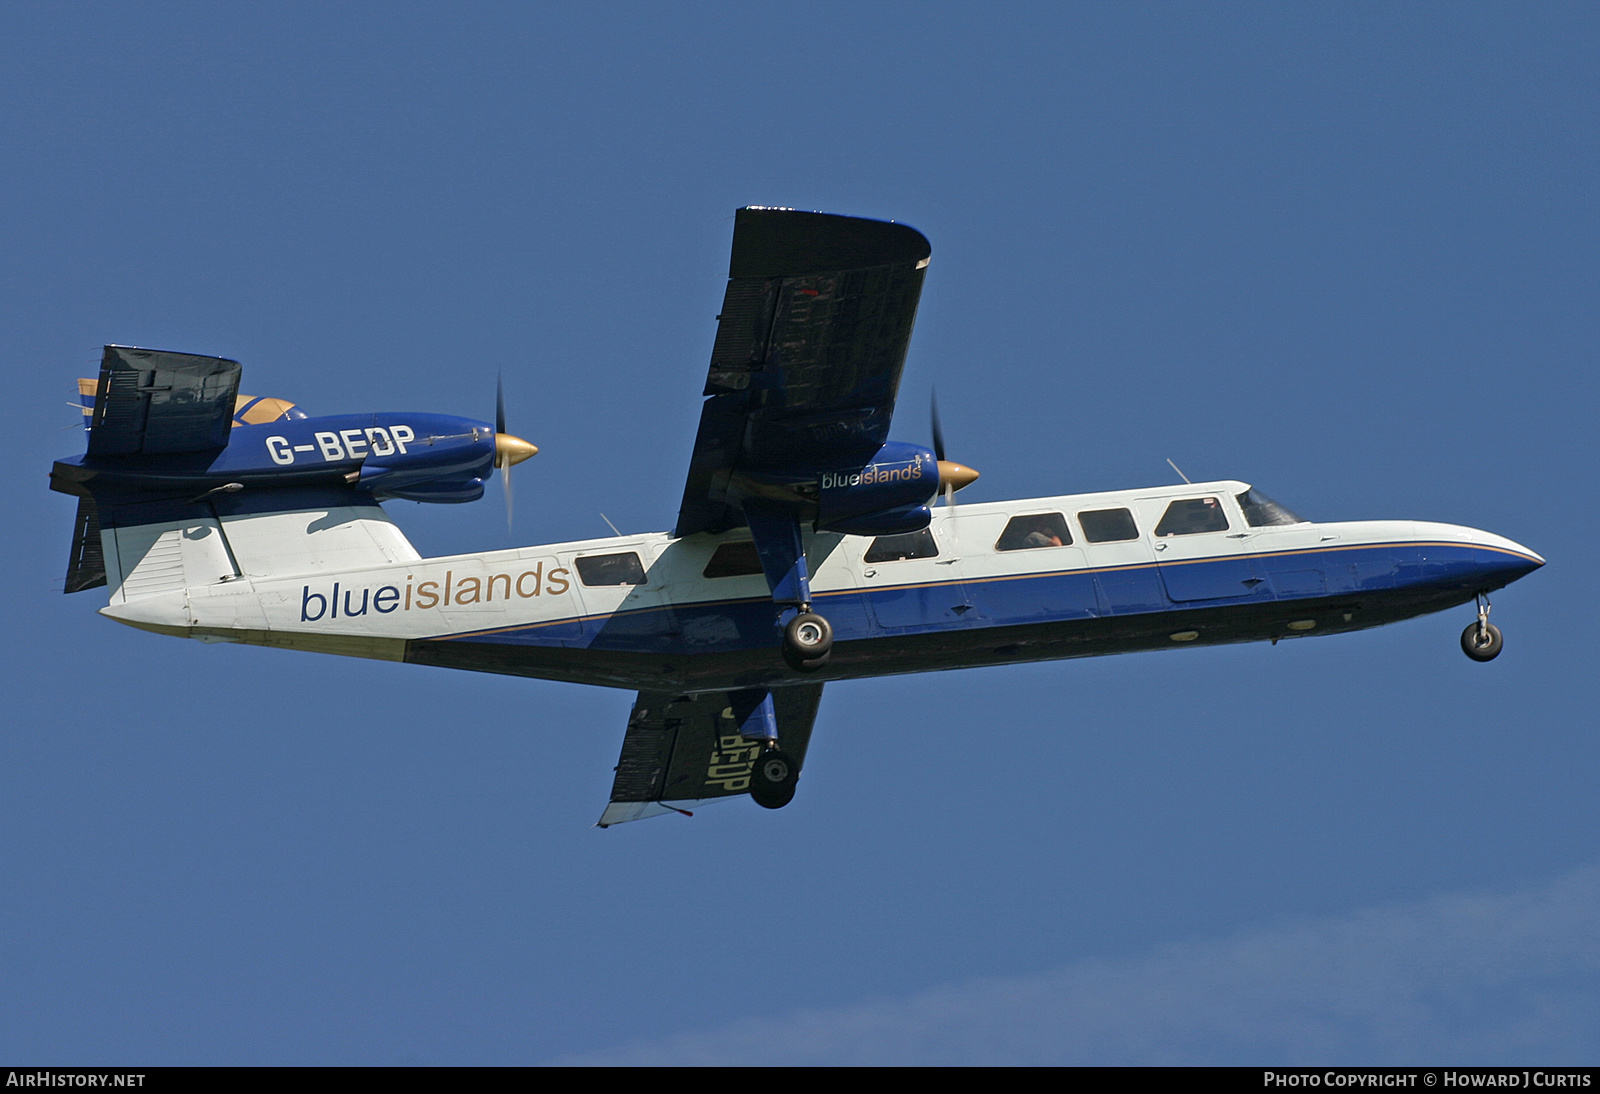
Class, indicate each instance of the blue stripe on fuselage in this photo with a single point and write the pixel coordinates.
(1366, 571)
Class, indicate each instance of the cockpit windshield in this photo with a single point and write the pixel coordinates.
(1261, 511)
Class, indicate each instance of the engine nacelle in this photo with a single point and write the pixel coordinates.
(887, 495)
(438, 472)
(889, 522)
(436, 490)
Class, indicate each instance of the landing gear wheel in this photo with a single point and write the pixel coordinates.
(1484, 645)
(772, 782)
(807, 642)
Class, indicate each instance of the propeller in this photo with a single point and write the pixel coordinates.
(952, 476)
(508, 450)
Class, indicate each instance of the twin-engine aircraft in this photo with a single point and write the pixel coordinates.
(807, 547)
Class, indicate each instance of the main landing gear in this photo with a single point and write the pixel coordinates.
(807, 642)
(1482, 641)
(775, 772)
(772, 782)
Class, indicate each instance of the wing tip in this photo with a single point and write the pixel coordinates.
(770, 241)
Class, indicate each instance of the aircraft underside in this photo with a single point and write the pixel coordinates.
(936, 651)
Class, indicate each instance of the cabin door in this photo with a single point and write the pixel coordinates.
(1199, 549)
(913, 582)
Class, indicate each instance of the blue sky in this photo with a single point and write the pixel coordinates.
(1344, 252)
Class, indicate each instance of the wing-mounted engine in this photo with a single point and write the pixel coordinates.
(885, 496)
(812, 338)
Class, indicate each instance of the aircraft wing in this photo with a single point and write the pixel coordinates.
(149, 402)
(810, 344)
(684, 751)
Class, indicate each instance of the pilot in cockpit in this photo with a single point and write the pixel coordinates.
(1043, 534)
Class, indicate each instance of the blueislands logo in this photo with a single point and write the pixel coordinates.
(871, 476)
(451, 593)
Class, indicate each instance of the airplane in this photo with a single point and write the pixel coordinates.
(808, 547)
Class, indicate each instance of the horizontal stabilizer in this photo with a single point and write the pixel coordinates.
(686, 750)
(150, 402)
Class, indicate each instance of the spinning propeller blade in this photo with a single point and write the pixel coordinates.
(508, 450)
(952, 476)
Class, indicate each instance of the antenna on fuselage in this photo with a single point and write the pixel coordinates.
(614, 528)
(1179, 470)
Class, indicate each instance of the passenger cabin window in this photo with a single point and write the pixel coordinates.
(1039, 530)
(1108, 525)
(898, 548)
(618, 569)
(1192, 515)
(1261, 511)
(737, 559)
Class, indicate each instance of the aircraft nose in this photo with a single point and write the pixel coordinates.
(1508, 560)
(1509, 568)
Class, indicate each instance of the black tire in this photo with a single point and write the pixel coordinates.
(1485, 647)
(807, 642)
(804, 664)
(773, 780)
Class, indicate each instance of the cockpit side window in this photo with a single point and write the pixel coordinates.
(619, 569)
(898, 548)
(1038, 530)
(1192, 515)
(1108, 525)
(1261, 511)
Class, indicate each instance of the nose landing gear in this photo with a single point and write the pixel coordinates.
(1482, 640)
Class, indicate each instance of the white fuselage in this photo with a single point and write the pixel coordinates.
(347, 582)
